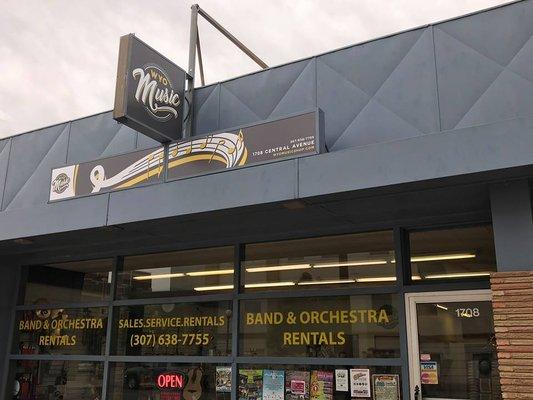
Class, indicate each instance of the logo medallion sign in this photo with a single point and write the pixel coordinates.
(149, 93)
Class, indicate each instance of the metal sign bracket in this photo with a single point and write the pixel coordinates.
(194, 48)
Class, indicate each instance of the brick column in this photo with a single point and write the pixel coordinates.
(513, 320)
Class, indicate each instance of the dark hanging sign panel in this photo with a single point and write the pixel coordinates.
(290, 137)
(149, 93)
(109, 174)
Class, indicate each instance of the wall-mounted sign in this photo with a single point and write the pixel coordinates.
(290, 137)
(149, 92)
(108, 174)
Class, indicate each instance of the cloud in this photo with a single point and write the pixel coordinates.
(62, 64)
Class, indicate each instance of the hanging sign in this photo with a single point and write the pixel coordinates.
(149, 92)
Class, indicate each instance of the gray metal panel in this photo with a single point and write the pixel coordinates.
(82, 213)
(483, 69)
(99, 136)
(271, 93)
(512, 221)
(145, 142)
(379, 91)
(33, 155)
(206, 109)
(501, 145)
(237, 188)
(5, 147)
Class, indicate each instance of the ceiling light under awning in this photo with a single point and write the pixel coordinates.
(268, 284)
(158, 276)
(210, 273)
(279, 268)
(331, 282)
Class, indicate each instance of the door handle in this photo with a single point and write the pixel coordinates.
(417, 393)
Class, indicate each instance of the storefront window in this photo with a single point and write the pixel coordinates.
(185, 329)
(182, 273)
(169, 381)
(61, 331)
(58, 380)
(457, 253)
(363, 326)
(458, 347)
(304, 382)
(334, 261)
(80, 281)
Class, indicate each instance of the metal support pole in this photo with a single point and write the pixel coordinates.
(232, 38)
(193, 38)
(200, 60)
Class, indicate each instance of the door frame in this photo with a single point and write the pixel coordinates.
(411, 300)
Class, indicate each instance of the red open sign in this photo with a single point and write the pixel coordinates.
(170, 380)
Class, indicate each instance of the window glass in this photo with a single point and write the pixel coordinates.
(305, 382)
(181, 273)
(333, 261)
(185, 329)
(58, 380)
(459, 347)
(457, 253)
(364, 326)
(68, 282)
(61, 331)
(169, 381)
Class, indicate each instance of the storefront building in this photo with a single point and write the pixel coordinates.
(396, 262)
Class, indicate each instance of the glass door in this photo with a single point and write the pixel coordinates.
(452, 348)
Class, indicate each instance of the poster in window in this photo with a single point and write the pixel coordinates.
(321, 385)
(341, 380)
(223, 379)
(360, 382)
(429, 373)
(386, 387)
(250, 384)
(297, 385)
(273, 384)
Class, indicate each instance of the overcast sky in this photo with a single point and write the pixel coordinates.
(58, 57)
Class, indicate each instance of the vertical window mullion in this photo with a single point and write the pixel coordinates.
(117, 265)
(239, 255)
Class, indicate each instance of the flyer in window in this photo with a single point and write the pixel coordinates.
(386, 387)
(251, 384)
(273, 384)
(321, 385)
(297, 385)
(223, 379)
(341, 380)
(429, 373)
(360, 382)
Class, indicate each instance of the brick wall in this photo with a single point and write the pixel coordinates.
(513, 320)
